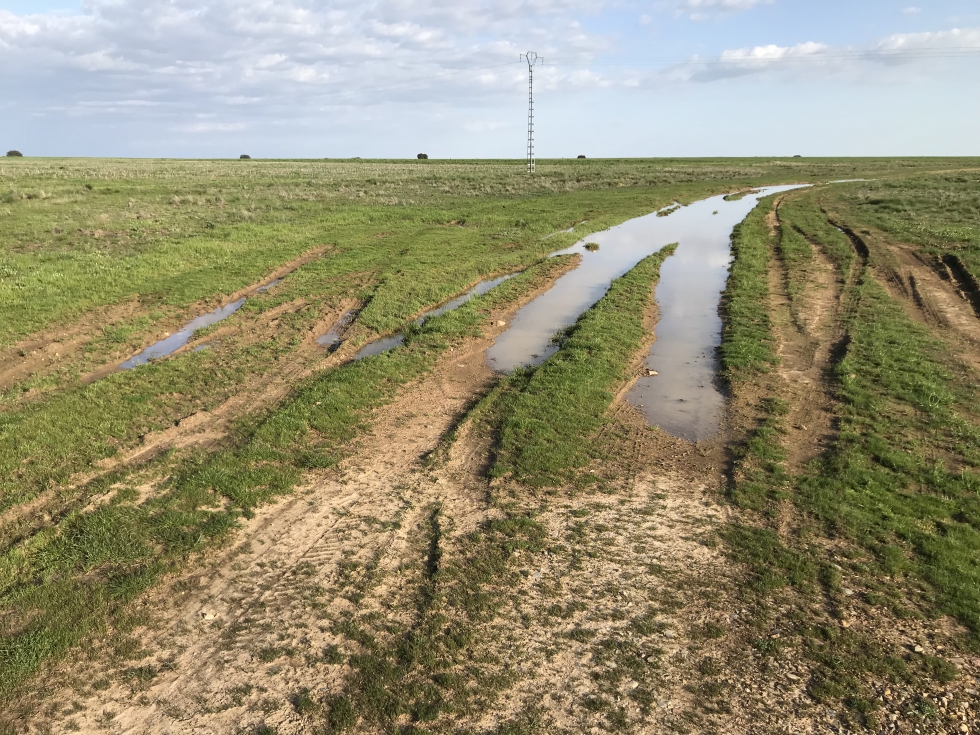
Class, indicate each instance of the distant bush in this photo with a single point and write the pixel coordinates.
(581, 156)
(423, 156)
(245, 157)
(797, 156)
(14, 154)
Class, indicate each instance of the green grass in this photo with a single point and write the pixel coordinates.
(119, 252)
(433, 668)
(940, 213)
(545, 435)
(62, 583)
(747, 346)
(896, 495)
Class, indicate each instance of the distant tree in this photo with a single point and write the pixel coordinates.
(245, 157)
(581, 156)
(14, 154)
(797, 156)
(423, 156)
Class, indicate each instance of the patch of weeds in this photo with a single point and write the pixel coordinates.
(239, 693)
(333, 655)
(268, 654)
(138, 677)
(303, 703)
(541, 435)
(707, 631)
(581, 635)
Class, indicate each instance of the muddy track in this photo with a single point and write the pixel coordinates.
(806, 349)
(43, 353)
(933, 292)
(300, 563)
(203, 429)
(262, 612)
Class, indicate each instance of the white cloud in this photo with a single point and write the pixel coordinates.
(939, 41)
(485, 126)
(211, 127)
(708, 9)
(919, 49)
(241, 51)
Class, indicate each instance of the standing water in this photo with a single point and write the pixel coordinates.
(683, 398)
(389, 343)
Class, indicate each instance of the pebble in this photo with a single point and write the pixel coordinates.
(919, 649)
(208, 614)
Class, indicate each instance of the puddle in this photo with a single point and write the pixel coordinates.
(333, 339)
(266, 287)
(169, 345)
(387, 343)
(683, 399)
(178, 339)
(562, 232)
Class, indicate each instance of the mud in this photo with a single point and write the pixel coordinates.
(389, 343)
(683, 398)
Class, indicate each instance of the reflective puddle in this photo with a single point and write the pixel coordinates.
(683, 398)
(333, 339)
(169, 345)
(175, 341)
(387, 343)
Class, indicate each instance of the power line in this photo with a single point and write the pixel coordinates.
(867, 55)
(532, 59)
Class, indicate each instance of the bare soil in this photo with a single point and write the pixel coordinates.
(632, 620)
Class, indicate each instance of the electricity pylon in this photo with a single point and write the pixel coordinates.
(532, 60)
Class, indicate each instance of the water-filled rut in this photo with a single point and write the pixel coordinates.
(683, 398)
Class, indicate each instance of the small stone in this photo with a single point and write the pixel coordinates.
(964, 728)
(651, 659)
(669, 634)
(847, 592)
(208, 614)
(792, 677)
(501, 324)
(845, 624)
(652, 373)
(919, 649)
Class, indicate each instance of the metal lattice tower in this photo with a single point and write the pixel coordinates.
(532, 59)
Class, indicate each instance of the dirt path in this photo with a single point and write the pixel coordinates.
(917, 281)
(806, 332)
(228, 647)
(43, 353)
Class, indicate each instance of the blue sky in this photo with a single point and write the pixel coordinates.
(391, 78)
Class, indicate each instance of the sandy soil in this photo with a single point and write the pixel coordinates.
(632, 619)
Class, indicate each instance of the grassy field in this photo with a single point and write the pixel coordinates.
(115, 483)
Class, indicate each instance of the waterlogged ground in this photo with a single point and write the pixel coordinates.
(271, 536)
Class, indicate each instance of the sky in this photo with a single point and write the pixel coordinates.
(393, 78)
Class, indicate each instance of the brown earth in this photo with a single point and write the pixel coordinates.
(52, 349)
(631, 620)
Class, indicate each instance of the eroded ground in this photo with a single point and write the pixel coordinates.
(408, 590)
